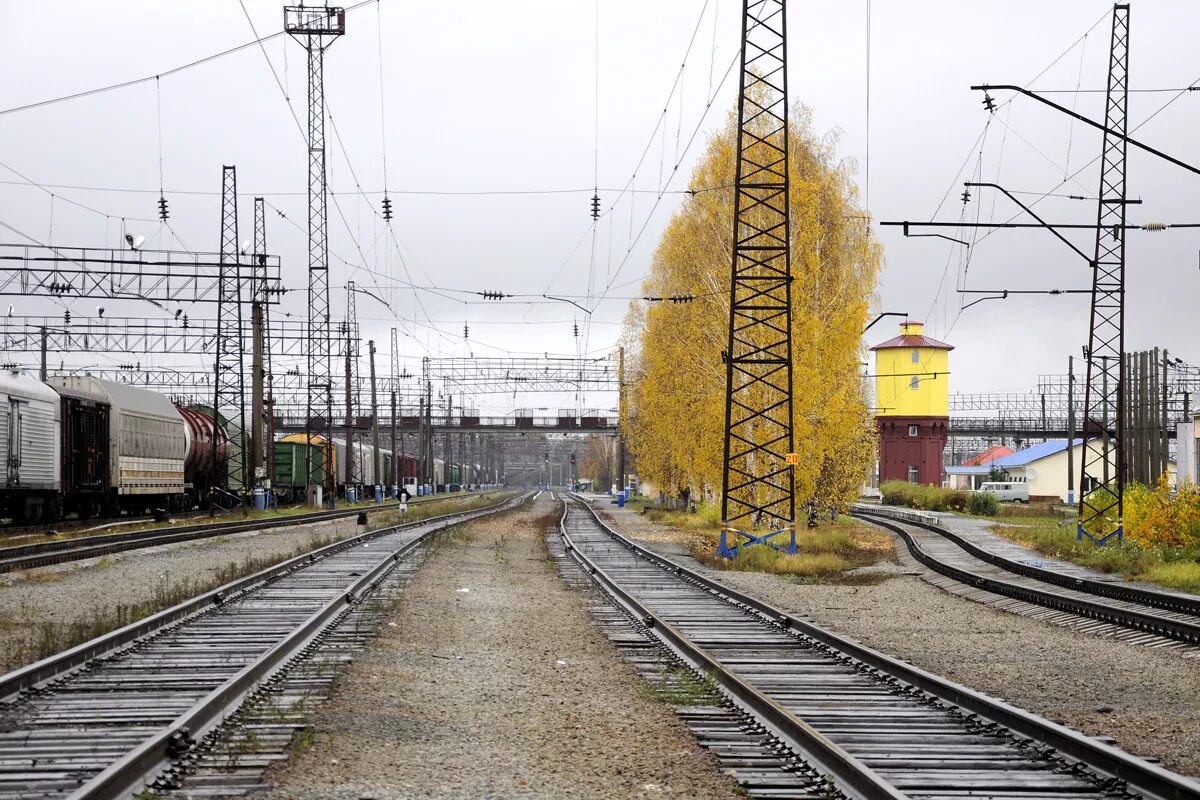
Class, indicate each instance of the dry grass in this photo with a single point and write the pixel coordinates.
(1170, 567)
(824, 554)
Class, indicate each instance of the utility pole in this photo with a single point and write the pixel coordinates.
(351, 314)
(229, 391)
(376, 461)
(397, 445)
(263, 373)
(397, 448)
(1070, 429)
(621, 411)
(1165, 423)
(757, 487)
(316, 28)
(1101, 504)
(45, 338)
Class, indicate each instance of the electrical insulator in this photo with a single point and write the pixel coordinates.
(576, 327)
(966, 196)
(185, 320)
(466, 332)
(163, 214)
(988, 103)
(387, 209)
(595, 206)
(67, 317)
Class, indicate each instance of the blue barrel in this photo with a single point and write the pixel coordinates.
(351, 495)
(620, 499)
(378, 494)
(260, 499)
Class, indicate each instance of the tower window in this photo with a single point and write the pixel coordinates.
(914, 474)
(916, 357)
(913, 382)
(914, 430)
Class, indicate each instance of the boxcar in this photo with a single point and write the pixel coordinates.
(147, 445)
(30, 437)
(292, 454)
(85, 450)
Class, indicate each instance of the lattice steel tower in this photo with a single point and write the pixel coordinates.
(1101, 501)
(757, 485)
(316, 28)
(229, 395)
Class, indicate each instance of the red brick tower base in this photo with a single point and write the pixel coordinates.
(905, 442)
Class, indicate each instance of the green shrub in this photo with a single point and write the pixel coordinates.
(983, 504)
(925, 498)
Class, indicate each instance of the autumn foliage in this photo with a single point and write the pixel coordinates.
(1161, 516)
(674, 409)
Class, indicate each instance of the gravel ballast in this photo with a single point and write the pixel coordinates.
(1147, 699)
(490, 680)
(81, 592)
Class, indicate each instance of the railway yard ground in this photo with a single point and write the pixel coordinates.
(490, 680)
(48, 609)
(520, 649)
(1145, 698)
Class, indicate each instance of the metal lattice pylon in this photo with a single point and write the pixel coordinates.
(229, 397)
(1101, 502)
(757, 484)
(316, 28)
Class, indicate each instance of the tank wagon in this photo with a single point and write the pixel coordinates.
(83, 445)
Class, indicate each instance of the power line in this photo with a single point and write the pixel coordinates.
(165, 73)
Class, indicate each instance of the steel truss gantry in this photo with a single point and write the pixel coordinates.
(507, 375)
(757, 482)
(285, 338)
(160, 276)
(316, 28)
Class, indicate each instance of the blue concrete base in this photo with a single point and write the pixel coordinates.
(725, 550)
(1081, 534)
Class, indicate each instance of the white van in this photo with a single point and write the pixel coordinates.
(1016, 491)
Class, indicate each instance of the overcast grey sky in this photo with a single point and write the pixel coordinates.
(487, 96)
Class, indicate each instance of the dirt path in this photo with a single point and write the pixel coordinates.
(491, 681)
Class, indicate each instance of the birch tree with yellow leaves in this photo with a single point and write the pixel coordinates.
(674, 410)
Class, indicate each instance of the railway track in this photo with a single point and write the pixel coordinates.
(103, 719)
(874, 726)
(1138, 615)
(42, 554)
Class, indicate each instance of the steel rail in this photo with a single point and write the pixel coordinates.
(60, 664)
(804, 740)
(127, 776)
(1148, 778)
(1168, 601)
(41, 554)
(1180, 630)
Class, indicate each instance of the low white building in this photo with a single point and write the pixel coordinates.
(1044, 467)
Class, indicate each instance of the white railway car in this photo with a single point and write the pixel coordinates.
(30, 442)
(148, 443)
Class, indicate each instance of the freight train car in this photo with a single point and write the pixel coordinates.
(147, 445)
(294, 454)
(85, 453)
(30, 439)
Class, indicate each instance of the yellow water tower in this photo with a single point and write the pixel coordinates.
(912, 396)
